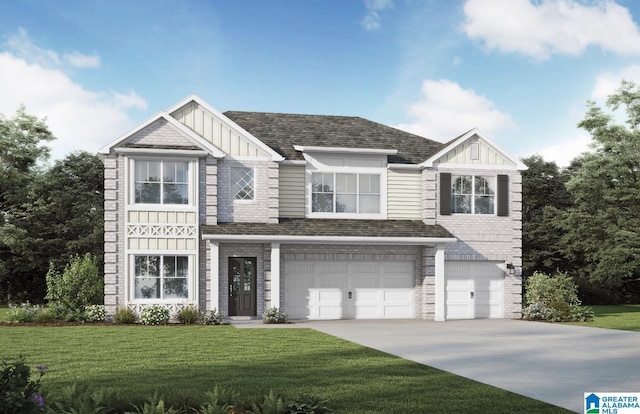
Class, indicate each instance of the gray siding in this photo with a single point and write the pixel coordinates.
(292, 191)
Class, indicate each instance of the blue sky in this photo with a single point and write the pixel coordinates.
(520, 71)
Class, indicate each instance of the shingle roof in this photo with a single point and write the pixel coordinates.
(282, 131)
(331, 227)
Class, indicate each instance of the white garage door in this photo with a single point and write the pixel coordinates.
(348, 290)
(474, 290)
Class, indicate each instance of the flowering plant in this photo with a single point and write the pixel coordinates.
(95, 313)
(274, 315)
(213, 317)
(20, 394)
(155, 315)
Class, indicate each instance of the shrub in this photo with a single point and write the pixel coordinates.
(95, 313)
(535, 312)
(154, 405)
(213, 317)
(155, 315)
(46, 315)
(79, 286)
(188, 315)
(79, 399)
(581, 314)
(124, 316)
(274, 315)
(26, 312)
(272, 404)
(20, 394)
(307, 404)
(548, 289)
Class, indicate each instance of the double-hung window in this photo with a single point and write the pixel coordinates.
(161, 182)
(473, 194)
(345, 193)
(161, 277)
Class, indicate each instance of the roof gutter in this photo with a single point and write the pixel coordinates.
(244, 238)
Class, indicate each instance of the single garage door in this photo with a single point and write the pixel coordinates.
(348, 289)
(474, 290)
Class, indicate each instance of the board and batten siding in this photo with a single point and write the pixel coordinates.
(404, 195)
(486, 155)
(214, 130)
(292, 191)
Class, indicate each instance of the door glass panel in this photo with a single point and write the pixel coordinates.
(248, 275)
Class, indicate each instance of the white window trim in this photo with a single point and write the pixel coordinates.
(382, 172)
(473, 194)
(191, 278)
(232, 196)
(192, 165)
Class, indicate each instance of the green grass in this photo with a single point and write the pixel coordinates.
(624, 317)
(187, 361)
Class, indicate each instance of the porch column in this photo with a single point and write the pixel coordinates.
(440, 283)
(214, 277)
(275, 275)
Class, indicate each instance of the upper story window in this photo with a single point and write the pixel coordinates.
(345, 193)
(242, 183)
(161, 182)
(473, 194)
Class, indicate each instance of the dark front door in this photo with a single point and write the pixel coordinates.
(242, 286)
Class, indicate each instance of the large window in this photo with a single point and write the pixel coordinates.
(242, 187)
(473, 194)
(161, 277)
(345, 193)
(161, 182)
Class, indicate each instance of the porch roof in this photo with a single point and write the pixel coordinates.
(331, 230)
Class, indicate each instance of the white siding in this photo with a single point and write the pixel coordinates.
(487, 155)
(404, 201)
(217, 132)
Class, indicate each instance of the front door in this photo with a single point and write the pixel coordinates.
(242, 286)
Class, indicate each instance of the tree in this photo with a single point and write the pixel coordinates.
(60, 215)
(543, 195)
(21, 149)
(601, 230)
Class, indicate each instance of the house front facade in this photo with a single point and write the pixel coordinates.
(324, 217)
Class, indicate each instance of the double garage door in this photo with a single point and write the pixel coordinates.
(474, 290)
(349, 289)
(385, 289)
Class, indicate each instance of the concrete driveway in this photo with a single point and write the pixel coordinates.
(549, 362)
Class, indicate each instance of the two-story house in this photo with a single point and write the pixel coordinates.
(325, 217)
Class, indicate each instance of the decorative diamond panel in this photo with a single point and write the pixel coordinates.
(242, 183)
(160, 230)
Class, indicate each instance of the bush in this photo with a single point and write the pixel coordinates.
(188, 315)
(47, 315)
(95, 313)
(535, 312)
(213, 317)
(549, 289)
(79, 286)
(155, 315)
(79, 399)
(26, 312)
(274, 315)
(307, 404)
(125, 316)
(581, 314)
(20, 394)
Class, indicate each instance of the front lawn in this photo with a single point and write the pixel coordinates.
(625, 317)
(183, 362)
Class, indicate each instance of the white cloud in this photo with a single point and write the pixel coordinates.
(564, 152)
(80, 119)
(608, 82)
(371, 20)
(77, 59)
(549, 27)
(446, 110)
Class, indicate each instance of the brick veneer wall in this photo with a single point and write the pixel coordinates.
(489, 237)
